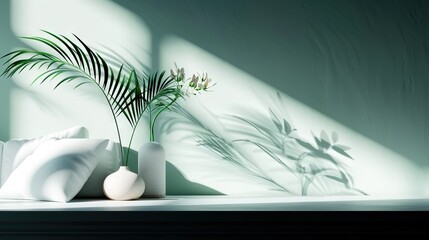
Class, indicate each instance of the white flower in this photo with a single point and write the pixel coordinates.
(206, 84)
(194, 81)
(200, 86)
(179, 74)
(204, 76)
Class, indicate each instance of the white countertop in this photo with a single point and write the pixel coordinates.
(227, 203)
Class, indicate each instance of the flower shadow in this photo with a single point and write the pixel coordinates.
(271, 151)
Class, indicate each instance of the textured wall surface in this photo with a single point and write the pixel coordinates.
(7, 41)
(360, 63)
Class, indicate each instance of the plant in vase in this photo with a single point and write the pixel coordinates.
(75, 62)
(151, 156)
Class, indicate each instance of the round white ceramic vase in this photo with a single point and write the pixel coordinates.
(151, 165)
(123, 185)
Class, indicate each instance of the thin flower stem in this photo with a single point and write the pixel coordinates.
(152, 125)
(129, 144)
(132, 136)
(151, 136)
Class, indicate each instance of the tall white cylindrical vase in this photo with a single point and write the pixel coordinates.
(151, 165)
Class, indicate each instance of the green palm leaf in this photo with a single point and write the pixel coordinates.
(161, 93)
(68, 62)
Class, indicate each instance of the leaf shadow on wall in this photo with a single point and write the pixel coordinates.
(302, 169)
(362, 63)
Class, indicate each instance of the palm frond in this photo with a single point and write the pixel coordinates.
(133, 103)
(70, 62)
(113, 58)
(161, 89)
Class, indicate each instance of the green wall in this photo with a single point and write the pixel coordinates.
(7, 42)
(363, 63)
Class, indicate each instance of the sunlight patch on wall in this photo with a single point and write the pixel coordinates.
(105, 26)
(98, 22)
(240, 100)
(36, 110)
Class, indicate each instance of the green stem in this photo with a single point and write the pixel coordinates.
(151, 135)
(119, 135)
(152, 130)
(131, 139)
(117, 128)
(152, 124)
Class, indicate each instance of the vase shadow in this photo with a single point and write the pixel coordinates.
(176, 182)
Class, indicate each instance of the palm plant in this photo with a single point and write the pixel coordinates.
(124, 90)
(77, 63)
(162, 92)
